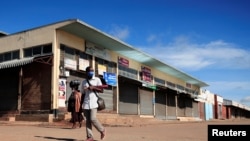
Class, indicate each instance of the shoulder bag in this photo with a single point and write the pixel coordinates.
(100, 101)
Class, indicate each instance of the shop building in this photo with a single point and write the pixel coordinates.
(235, 110)
(212, 106)
(36, 66)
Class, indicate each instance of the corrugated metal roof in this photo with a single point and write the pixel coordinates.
(98, 37)
(16, 62)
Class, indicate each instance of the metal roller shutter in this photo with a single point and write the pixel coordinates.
(128, 97)
(171, 104)
(160, 104)
(146, 102)
(195, 109)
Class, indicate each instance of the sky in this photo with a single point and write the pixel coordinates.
(207, 39)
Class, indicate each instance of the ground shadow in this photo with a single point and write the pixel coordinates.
(54, 138)
(59, 139)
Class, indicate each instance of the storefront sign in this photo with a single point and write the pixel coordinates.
(123, 62)
(151, 86)
(110, 78)
(146, 74)
(97, 51)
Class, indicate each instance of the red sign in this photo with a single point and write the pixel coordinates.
(124, 62)
(146, 74)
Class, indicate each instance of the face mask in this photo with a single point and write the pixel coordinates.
(90, 74)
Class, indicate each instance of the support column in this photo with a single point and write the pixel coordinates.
(19, 97)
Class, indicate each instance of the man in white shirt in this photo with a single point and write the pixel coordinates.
(90, 86)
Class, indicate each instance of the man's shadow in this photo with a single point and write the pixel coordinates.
(59, 139)
(53, 138)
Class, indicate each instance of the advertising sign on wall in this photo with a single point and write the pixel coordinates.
(146, 74)
(123, 62)
(110, 78)
(62, 93)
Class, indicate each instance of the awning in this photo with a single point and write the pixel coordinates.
(98, 37)
(16, 62)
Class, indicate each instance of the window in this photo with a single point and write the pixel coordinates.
(47, 49)
(84, 56)
(127, 72)
(110, 66)
(15, 54)
(179, 87)
(69, 53)
(9, 56)
(188, 85)
(28, 52)
(38, 50)
(170, 84)
(159, 81)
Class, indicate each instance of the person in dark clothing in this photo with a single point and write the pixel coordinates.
(74, 104)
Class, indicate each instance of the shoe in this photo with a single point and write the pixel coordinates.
(80, 125)
(74, 126)
(103, 133)
(90, 139)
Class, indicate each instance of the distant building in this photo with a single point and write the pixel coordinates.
(213, 106)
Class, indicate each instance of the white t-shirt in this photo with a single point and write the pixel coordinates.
(90, 99)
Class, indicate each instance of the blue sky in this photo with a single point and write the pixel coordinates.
(207, 39)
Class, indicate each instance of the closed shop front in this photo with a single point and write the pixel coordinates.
(201, 110)
(36, 93)
(146, 102)
(171, 104)
(209, 111)
(160, 104)
(30, 87)
(195, 109)
(128, 96)
(185, 105)
(9, 89)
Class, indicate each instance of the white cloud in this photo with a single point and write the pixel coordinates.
(191, 56)
(119, 32)
(151, 38)
(238, 85)
(246, 100)
(238, 91)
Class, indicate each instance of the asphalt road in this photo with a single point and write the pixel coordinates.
(169, 131)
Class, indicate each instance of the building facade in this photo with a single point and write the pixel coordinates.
(37, 65)
(213, 106)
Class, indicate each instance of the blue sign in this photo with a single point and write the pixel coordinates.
(110, 78)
